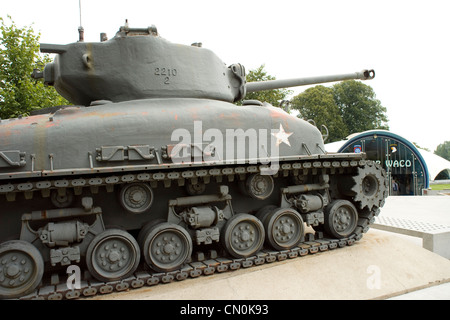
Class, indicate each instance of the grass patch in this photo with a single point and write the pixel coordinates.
(439, 186)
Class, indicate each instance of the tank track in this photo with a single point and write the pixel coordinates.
(203, 267)
(52, 288)
(313, 163)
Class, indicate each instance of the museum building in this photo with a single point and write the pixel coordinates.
(408, 171)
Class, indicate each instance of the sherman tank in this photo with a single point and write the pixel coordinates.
(154, 170)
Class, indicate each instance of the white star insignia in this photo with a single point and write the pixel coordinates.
(282, 136)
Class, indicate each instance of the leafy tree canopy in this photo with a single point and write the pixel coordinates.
(419, 147)
(317, 103)
(443, 150)
(347, 107)
(19, 55)
(359, 107)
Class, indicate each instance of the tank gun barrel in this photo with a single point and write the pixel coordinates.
(53, 48)
(287, 83)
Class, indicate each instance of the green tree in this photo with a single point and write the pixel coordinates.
(419, 147)
(347, 107)
(19, 55)
(317, 103)
(443, 150)
(359, 107)
(274, 97)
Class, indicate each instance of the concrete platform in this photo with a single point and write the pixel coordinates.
(435, 237)
(425, 217)
(379, 266)
(430, 209)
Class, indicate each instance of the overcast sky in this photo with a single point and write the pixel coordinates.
(406, 42)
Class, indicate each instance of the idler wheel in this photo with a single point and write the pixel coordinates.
(341, 218)
(243, 235)
(136, 197)
(259, 186)
(166, 246)
(21, 269)
(284, 228)
(112, 255)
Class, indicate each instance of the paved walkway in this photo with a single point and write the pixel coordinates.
(438, 292)
(431, 209)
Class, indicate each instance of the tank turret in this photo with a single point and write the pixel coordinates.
(139, 64)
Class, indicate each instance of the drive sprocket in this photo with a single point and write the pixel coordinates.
(368, 187)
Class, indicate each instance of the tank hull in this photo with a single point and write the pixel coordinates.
(83, 140)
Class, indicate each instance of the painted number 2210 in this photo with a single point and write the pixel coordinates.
(166, 73)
